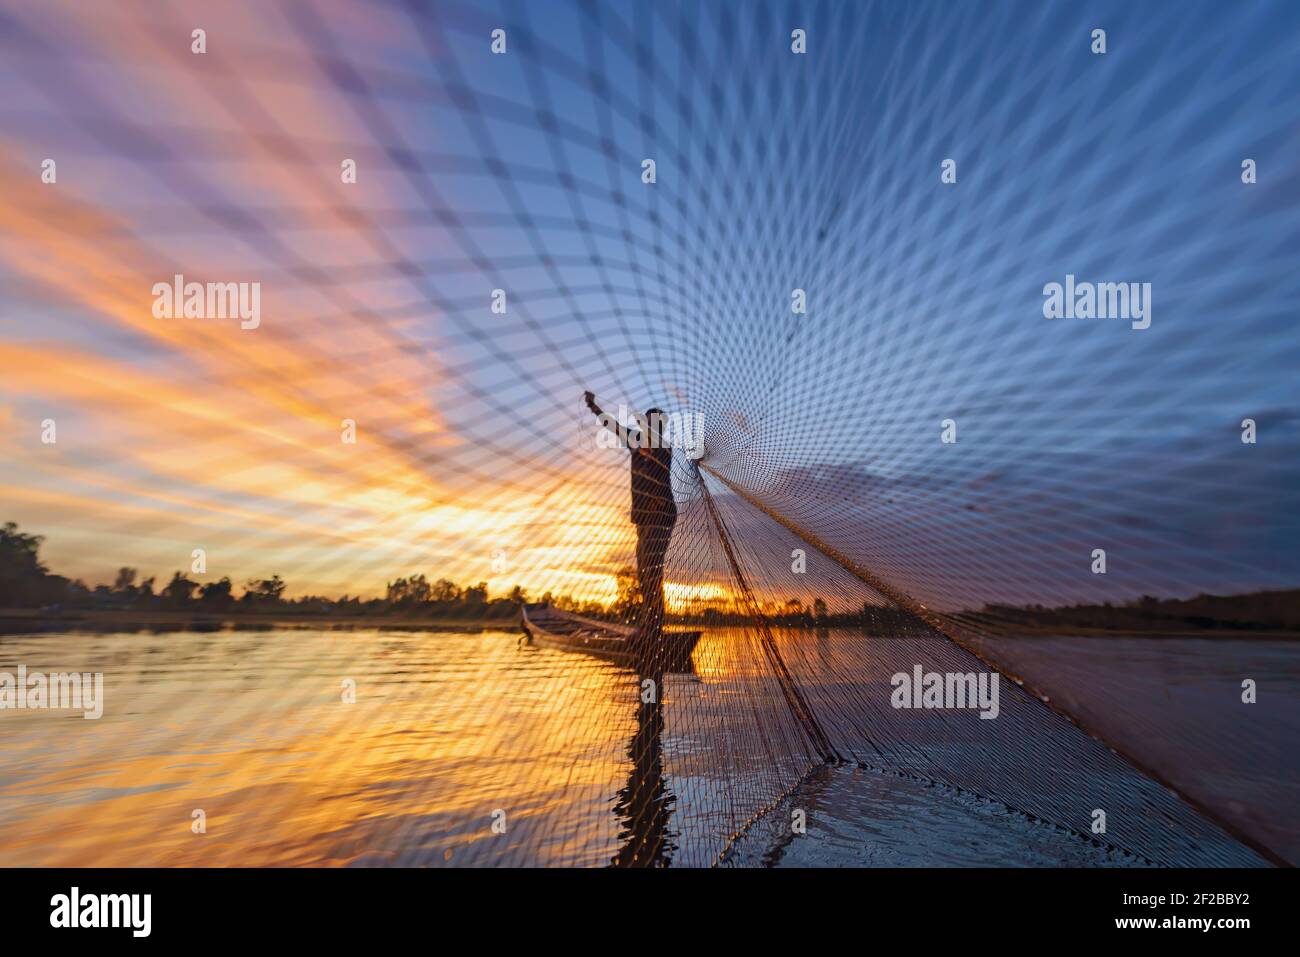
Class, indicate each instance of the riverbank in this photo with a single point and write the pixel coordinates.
(28, 620)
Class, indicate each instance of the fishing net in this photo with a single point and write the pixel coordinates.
(894, 456)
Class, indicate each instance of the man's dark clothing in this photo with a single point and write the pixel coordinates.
(652, 487)
(653, 513)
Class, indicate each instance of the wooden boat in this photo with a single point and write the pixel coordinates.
(550, 627)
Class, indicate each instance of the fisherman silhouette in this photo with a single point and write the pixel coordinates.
(654, 512)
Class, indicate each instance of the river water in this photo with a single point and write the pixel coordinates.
(383, 747)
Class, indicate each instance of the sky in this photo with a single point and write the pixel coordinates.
(522, 171)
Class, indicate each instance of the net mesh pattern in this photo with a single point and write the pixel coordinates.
(776, 175)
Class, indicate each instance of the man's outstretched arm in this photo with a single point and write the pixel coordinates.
(626, 436)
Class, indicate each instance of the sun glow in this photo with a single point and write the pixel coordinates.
(682, 597)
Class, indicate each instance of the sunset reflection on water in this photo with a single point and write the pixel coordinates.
(252, 729)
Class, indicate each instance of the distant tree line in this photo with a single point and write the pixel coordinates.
(25, 582)
(1277, 610)
(793, 613)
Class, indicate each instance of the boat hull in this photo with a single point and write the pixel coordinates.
(550, 627)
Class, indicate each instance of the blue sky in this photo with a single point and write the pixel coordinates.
(775, 171)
